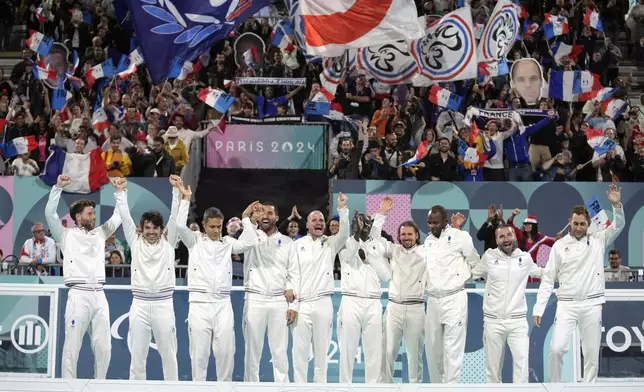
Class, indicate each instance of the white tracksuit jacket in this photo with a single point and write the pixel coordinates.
(505, 309)
(578, 266)
(84, 271)
(153, 281)
(268, 273)
(405, 313)
(211, 321)
(360, 313)
(449, 260)
(314, 323)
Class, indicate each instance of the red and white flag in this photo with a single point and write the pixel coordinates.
(334, 26)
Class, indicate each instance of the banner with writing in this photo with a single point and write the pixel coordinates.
(266, 147)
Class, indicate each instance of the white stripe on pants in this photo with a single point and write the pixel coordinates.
(495, 335)
(445, 330)
(260, 316)
(147, 318)
(567, 318)
(87, 311)
(356, 317)
(314, 324)
(403, 321)
(212, 325)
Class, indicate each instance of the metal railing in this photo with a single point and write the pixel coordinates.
(11, 267)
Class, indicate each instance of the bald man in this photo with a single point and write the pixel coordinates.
(526, 77)
(315, 254)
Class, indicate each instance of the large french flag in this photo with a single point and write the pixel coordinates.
(591, 18)
(573, 86)
(443, 97)
(555, 25)
(216, 99)
(87, 171)
(334, 26)
(613, 107)
(18, 146)
(39, 42)
(105, 69)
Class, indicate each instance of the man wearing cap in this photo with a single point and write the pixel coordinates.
(176, 148)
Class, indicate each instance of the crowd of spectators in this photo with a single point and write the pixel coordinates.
(152, 126)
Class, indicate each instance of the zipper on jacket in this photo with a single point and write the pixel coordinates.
(505, 294)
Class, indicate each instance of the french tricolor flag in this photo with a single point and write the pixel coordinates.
(421, 152)
(562, 51)
(594, 137)
(555, 25)
(105, 69)
(18, 146)
(598, 217)
(613, 107)
(74, 66)
(216, 99)
(182, 69)
(100, 121)
(444, 98)
(494, 68)
(281, 36)
(521, 11)
(586, 82)
(573, 86)
(529, 28)
(591, 18)
(44, 73)
(87, 171)
(39, 43)
(128, 65)
(605, 93)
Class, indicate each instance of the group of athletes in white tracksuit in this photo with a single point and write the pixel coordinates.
(290, 283)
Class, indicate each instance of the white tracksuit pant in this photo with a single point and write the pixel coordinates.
(260, 317)
(403, 321)
(147, 318)
(360, 317)
(87, 311)
(495, 335)
(445, 330)
(211, 325)
(314, 324)
(567, 318)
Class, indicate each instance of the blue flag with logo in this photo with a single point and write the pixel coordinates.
(185, 28)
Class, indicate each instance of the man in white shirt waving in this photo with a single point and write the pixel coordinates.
(364, 265)
(153, 280)
(506, 270)
(269, 280)
(84, 272)
(211, 322)
(315, 254)
(405, 314)
(450, 255)
(577, 263)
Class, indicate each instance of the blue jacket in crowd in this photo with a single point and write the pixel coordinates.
(516, 146)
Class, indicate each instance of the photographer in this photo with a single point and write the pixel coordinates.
(346, 166)
(487, 230)
(143, 162)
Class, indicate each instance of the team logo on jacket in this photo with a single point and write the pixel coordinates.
(566, 250)
(496, 262)
(520, 261)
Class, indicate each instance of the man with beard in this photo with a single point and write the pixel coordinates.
(210, 317)
(269, 280)
(405, 312)
(345, 166)
(315, 254)
(364, 266)
(84, 272)
(450, 256)
(506, 270)
(577, 263)
(153, 280)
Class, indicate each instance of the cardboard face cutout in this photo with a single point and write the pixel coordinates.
(526, 76)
